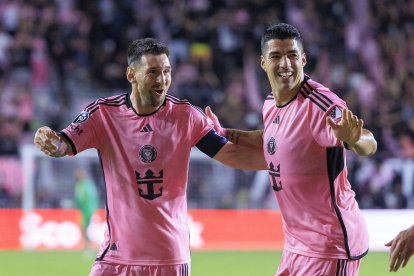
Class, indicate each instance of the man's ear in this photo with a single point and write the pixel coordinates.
(130, 74)
(262, 63)
(304, 61)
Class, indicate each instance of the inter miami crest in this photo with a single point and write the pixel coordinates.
(271, 146)
(150, 185)
(336, 114)
(81, 117)
(147, 154)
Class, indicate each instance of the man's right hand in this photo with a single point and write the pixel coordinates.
(49, 142)
(401, 249)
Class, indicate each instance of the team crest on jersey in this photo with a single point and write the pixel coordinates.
(336, 114)
(147, 154)
(271, 146)
(81, 117)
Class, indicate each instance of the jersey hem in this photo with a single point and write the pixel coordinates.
(332, 255)
(144, 263)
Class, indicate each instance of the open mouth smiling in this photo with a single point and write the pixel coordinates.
(159, 91)
(285, 75)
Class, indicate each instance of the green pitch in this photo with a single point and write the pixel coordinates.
(210, 263)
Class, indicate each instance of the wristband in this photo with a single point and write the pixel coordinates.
(346, 146)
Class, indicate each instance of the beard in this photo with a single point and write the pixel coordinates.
(152, 100)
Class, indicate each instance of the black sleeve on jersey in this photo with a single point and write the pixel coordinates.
(74, 151)
(211, 143)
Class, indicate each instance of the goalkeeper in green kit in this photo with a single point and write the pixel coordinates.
(86, 198)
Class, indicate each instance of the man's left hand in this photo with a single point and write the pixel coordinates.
(349, 129)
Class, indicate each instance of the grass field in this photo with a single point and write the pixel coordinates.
(210, 263)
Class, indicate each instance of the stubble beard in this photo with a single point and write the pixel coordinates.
(151, 100)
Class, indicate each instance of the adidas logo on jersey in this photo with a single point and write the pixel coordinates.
(146, 128)
(277, 120)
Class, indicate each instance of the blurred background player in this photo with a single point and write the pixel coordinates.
(87, 201)
(306, 130)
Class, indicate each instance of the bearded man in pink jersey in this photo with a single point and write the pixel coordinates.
(306, 130)
(144, 139)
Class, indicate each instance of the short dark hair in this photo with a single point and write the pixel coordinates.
(140, 47)
(281, 31)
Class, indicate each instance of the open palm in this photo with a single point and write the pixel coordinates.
(349, 129)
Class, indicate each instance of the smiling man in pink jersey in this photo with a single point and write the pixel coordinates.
(144, 139)
(306, 130)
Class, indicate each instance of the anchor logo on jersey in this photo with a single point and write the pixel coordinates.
(274, 175)
(153, 184)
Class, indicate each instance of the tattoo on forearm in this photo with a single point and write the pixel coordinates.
(233, 136)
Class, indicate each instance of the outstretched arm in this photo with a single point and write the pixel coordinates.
(351, 131)
(402, 248)
(51, 143)
(241, 157)
(252, 139)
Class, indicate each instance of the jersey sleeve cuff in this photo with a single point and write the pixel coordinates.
(346, 146)
(66, 137)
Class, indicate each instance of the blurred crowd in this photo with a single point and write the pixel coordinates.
(57, 55)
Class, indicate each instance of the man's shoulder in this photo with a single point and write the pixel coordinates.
(110, 101)
(317, 87)
(176, 102)
(269, 101)
(320, 96)
(182, 106)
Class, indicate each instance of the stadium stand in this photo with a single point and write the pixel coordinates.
(56, 55)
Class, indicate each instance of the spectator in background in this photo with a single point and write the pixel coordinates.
(83, 53)
(11, 129)
(5, 44)
(395, 198)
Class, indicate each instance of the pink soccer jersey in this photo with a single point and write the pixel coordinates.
(307, 171)
(145, 160)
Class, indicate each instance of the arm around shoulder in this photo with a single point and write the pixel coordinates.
(241, 157)
(252, 138)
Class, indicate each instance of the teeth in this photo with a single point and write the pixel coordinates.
(285, 74)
